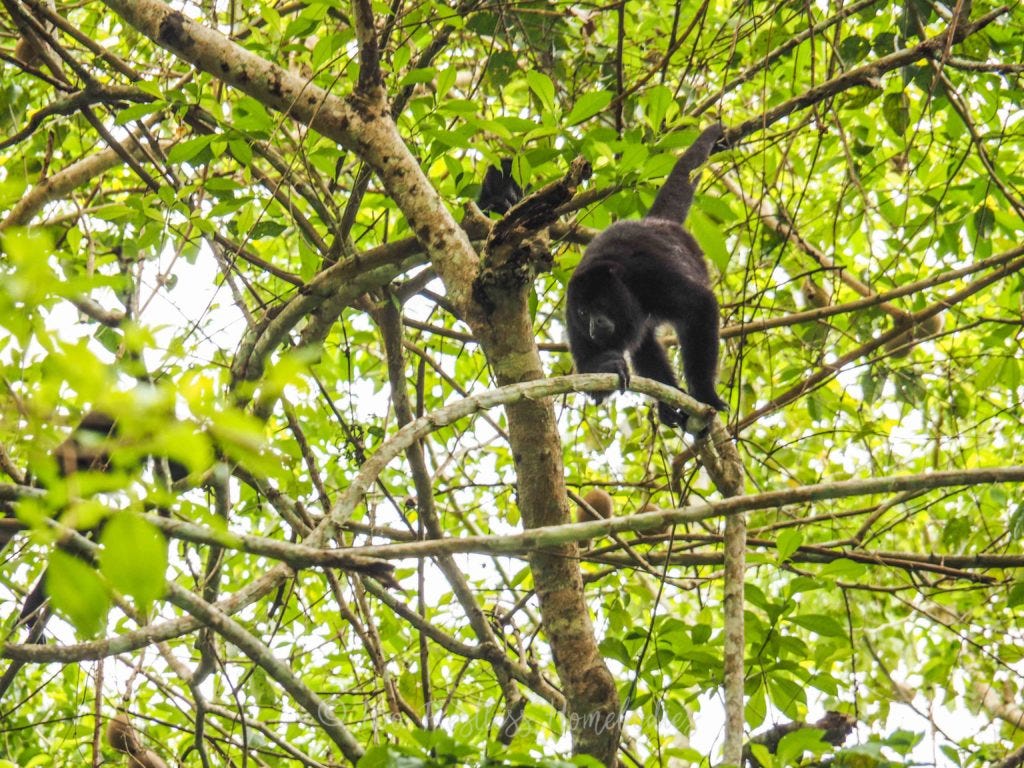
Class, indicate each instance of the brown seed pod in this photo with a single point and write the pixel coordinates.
(601, 502)
(122, 737)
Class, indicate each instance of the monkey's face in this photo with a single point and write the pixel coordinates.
(593, 316)
(602, 327)
(604, 308)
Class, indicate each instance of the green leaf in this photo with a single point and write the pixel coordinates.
(794, 745)
(853, 49)
(446, 79)
(787, 695)
(656, 101)
(710, 239)
(984, 220)
(134, 557)
(421, 75)
(77, 592)
(871, 383)
(788, 542)
(896, 110)
(956, 531)
(1016, 596)
(804, 584)
(386, 756)
(952, 753)
(188, 149)
(401, 57)
(587, 106)
(678, 715)
(150, 87)
(262, 690)
(826, 626)
(241, 150)
(138, 111)
(543, 89)
(844, 569)
(1016, 527)
(267, 228)
(763, 756)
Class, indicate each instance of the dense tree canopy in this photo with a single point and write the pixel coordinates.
(338, 426)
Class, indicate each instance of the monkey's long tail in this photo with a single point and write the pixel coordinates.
(676, 194)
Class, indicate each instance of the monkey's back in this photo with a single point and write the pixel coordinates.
(648, 247)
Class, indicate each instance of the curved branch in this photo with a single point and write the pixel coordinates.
(63, 182)
(338, 286)
(507, 395)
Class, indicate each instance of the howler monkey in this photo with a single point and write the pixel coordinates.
(499, 190)
(638, 274)
(86, 449)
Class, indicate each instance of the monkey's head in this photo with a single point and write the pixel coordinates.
(603, 307)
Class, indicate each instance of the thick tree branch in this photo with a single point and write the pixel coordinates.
(362, 124)
(833, 368)
(538, 538)
(723, 464)
(867, 75)
(62, 183)
(370, 78)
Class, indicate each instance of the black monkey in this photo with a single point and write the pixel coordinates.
(638, 274)
(86, 449)
(499, 190)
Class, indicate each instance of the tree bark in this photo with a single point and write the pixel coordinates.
(363, 124)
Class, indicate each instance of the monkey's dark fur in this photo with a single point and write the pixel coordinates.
(499, 190)
(638, 274)
(86, 449)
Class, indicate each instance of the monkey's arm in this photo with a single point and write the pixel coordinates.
(591, 358)
(650, 360)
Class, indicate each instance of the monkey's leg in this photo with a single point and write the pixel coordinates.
(650, 360)
(698, 336)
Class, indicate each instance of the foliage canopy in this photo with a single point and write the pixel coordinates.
(256, 283)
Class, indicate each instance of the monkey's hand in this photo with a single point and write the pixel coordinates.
(719, 141)
(611, 362)
(623, 371)
(698, 427)
(674, 417)
(714, 133)
(671, 417)
(708, 396)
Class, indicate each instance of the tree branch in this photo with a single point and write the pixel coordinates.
(866, 75)
(370, 78)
